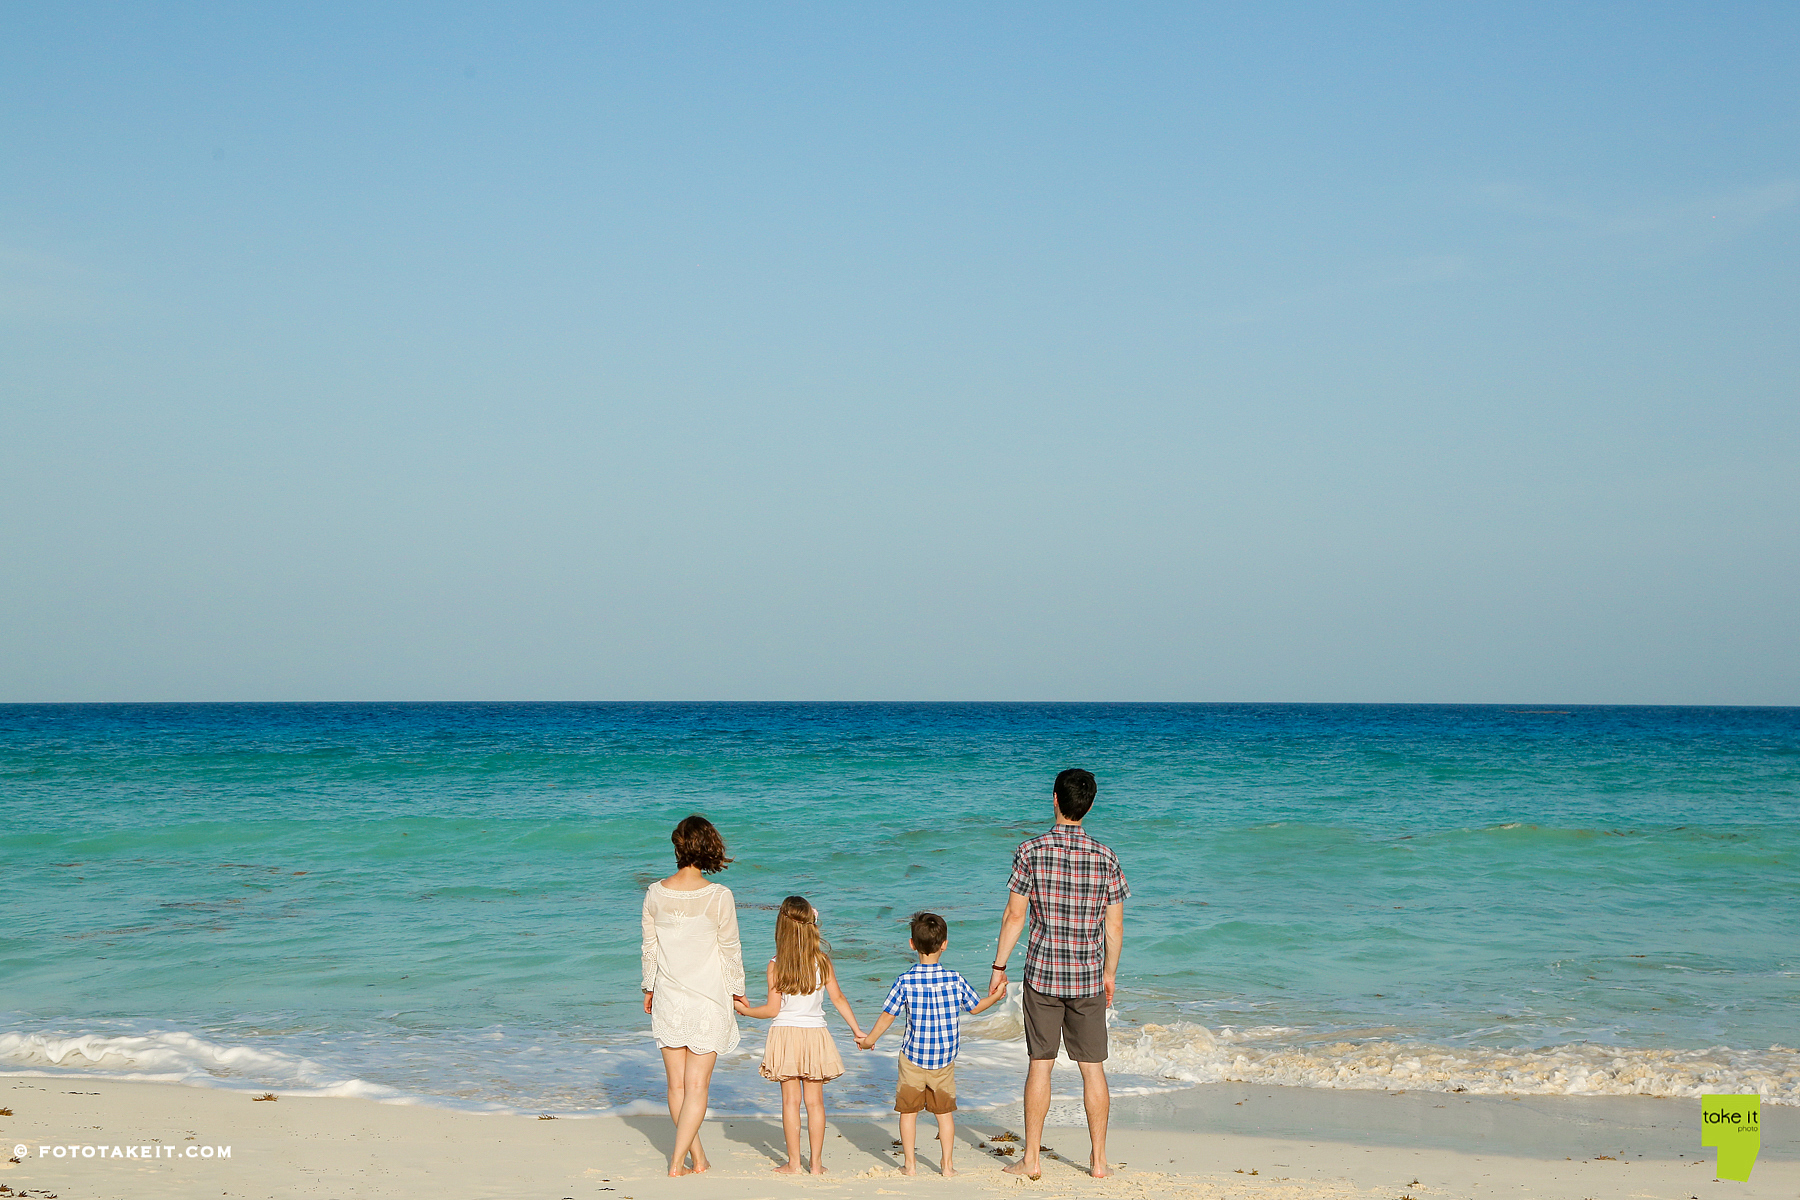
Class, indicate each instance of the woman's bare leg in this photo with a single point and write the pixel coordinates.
(815, 1123)
(675, 1067)
(690, 1077)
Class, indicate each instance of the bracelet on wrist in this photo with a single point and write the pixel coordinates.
(1000, 967)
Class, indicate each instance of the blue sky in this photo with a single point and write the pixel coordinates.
(1131, 352)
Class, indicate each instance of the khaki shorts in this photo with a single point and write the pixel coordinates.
(1078, 1022)
(932, 1091)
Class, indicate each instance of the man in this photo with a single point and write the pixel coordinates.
(1074, 892)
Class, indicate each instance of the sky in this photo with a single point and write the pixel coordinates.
(1333, 352)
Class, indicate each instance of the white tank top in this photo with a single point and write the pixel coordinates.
(801, 1012)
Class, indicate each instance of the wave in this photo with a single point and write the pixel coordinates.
(177, 1057)
(1189, 1053)
(1192, 1053)
(624, 1079)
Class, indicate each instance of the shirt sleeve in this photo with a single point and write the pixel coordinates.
(1117, 890)
(731, 948)
(649, 951)
(965, 995)
(896, 999)
(1021, 873)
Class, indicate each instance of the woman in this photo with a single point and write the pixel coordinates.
(693, 970)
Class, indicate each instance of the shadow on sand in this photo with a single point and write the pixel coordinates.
(867, 1143)
(659, 1131)
(865, 1140)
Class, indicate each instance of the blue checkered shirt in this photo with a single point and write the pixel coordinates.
(935, 998)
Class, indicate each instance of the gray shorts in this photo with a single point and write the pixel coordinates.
(1078, 1022)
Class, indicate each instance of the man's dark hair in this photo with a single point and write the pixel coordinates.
(1075, 790)
(929, 932)
(698, 844)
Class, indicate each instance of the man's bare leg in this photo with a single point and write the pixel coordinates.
(1096, 1097)
(1037, 1107)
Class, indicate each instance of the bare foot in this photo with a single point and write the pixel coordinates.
(948, 1171)
(787, 1168)
(701, 1164)
(1019, 1168)
(818, 1168)
(1100, 1171)
(909, 1169)
(676, 1171)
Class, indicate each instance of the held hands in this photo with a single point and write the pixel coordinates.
(996, 982)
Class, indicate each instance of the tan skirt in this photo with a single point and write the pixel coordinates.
(796, 1053)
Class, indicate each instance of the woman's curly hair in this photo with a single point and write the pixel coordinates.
(698, 844)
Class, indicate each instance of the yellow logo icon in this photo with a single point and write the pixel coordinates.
(1734, 1125)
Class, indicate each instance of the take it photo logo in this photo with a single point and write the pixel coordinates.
(1734, 1125)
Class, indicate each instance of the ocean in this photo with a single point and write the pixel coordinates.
(438, 903)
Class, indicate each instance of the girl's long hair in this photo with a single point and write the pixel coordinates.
(802, 955)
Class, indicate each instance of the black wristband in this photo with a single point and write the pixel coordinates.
(1000, 967)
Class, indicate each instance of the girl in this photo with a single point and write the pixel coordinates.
(801, 1056)
(693, 978)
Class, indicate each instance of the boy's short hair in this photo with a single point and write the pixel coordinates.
(698, 844)
(1075, 790)
(929, 932)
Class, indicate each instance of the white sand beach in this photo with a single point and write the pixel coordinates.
(1216, 1142)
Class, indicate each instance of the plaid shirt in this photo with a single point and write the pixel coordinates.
(935, 998)
(1069, 879)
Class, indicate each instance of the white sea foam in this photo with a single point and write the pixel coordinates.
(1188, 1053)
(580, 1077)
(177, 1057)
(1195, 1054)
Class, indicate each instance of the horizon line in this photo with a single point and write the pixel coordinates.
(1523, 707)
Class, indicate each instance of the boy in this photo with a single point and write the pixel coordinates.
(935, 998)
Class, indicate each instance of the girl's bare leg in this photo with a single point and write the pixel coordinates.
(790, 1125)
(696, 1081)
(815, 1123)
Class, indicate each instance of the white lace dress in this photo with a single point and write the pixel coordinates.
(694, 964)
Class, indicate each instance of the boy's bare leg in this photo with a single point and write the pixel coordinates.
(790, 1125)
(815, 1123)
(946, 1143)
(1096, 1097)
(909, 1133)
(1037, 1107)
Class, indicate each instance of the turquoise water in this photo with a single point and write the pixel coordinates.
(440, 902)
